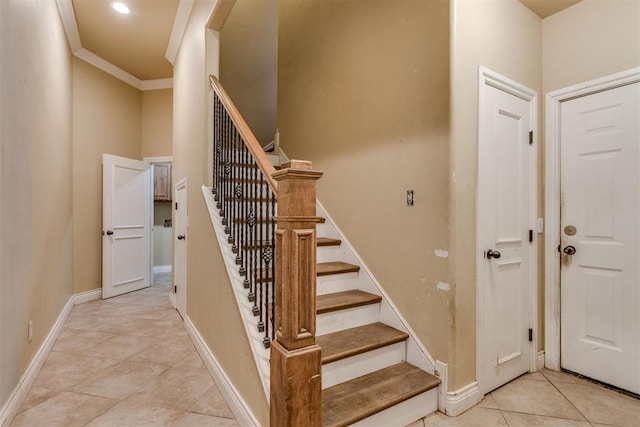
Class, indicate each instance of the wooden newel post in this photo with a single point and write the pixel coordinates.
(295, 357)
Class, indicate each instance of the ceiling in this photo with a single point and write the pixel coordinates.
(544, 8)
(137, 43)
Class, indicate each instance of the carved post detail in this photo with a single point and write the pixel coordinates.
(295, 357)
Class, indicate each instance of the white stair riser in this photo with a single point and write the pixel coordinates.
(336, 283)
(404, 413)
(345, 319)
(328, 253)
(362, 364)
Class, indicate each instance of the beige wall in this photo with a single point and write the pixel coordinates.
(363, 93)
(591, 39)
(106, 119)
(211, 304)
(248, 63)
(505, 37)
(157, 122)
(35, 181)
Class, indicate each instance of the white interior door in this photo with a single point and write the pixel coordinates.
(126, 221)
(506, 212)
(600, 219)
(181, 224)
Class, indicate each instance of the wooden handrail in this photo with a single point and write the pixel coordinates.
(245, 132)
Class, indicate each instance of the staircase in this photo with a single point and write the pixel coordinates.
(374, 370)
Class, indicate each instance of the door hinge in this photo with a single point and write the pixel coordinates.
(176, 205)
(530, 335)
(175, 291)
(530, 236)
(530, 137)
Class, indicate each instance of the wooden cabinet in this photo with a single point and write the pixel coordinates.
(162, 182)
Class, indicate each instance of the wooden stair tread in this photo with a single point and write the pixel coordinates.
(327, 303)
(326, 241)
(355, 400)
(351, 342)
(335, 267)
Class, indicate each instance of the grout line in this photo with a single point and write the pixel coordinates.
(568, 400)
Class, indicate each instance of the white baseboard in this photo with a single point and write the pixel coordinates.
(238, 406)
(172, 299)
(16, 398)
(162, 268)
(540, 360)
(87, 296)
(462, 399)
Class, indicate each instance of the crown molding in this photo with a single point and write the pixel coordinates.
(68, 18)
(157, 84)
(179, 27)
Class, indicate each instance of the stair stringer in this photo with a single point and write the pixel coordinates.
(260, 353)
(416, 353)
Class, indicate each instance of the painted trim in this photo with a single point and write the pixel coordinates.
(10, 408)
(237, 404)
(540, 360)
(172, 299)
(462, 399)
(180, 185)
(68, 18)
(490, 78)
(553, 101)
(159, 159)
(179, 27)
(108, 67)
(260, 354)
(92, 295)
(442, 372)
(156, 84)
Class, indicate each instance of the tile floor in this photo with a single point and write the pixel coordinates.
(126, 361)
(546, 398)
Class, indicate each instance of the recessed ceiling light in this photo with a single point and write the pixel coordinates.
(121, 8)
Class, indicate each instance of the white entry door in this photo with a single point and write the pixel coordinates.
(506, 211)
(126, 221)
(600, 235)
(180, 262)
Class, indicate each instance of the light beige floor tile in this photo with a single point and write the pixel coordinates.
(88, 322)
(534, 397)
(36, 396)
(169, 352)
(62, 371)
(121, 347)
(65, 410)
(488, 402)
(516, 419)
(212, 403)
(419, 423)
(128, 414)
(535, 376)
(191, 361)
(600, 405)
(175, 388)
(120, 380)
(78, 341)
(189, 419)
(474, 417)
(563, 377)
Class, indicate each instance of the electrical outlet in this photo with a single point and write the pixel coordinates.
(409, 197)
(30, 331)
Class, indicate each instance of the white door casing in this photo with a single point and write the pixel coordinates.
(553, 230)
(506, 211)
(126, 221)
(600, 218)
(180, 241)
